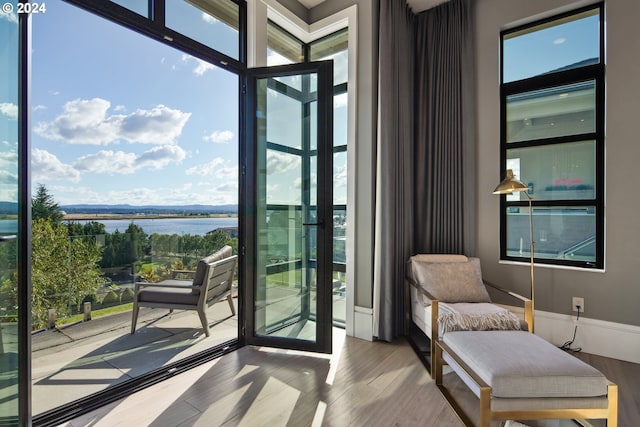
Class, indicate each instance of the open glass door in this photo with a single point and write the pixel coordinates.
(289, 206)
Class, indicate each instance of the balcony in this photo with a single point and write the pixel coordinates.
(73, 361)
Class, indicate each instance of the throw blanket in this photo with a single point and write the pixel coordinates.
(478, 316)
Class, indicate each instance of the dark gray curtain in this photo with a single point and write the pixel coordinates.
(425, 191)
(445, 158)
(394, 176)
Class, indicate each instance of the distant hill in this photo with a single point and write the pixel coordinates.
(8, 208)
(149, 209)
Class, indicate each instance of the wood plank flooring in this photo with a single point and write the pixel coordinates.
(361, 384)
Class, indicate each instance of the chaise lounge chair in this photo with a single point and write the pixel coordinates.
(447, 293)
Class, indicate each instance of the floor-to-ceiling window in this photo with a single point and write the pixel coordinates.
(135, 156)
(9, 302)
(127, 124)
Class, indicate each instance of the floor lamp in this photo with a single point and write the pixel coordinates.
(511, 185)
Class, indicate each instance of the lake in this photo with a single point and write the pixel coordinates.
(199, 226)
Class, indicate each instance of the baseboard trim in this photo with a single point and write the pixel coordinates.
(363, 323)
(608, 339)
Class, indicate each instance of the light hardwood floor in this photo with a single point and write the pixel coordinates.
(361, 384)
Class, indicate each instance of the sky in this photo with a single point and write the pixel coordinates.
(119, 118)
(550, 48)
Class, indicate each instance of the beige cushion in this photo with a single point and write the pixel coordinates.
(518, 364)
(203, 264)
(168, 295)
(439, 258)
(452, 281)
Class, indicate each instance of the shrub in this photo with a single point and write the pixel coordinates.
(111, 298)
(127, 295)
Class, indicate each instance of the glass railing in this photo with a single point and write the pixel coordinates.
(123, 259)
(81, 340)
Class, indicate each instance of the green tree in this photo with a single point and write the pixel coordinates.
(139, 242)
(43, 206)
(64, 270)
(91, 228)
(216, 240)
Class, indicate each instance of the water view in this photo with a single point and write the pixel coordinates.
(180, 226)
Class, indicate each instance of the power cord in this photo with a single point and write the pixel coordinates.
(567, 345)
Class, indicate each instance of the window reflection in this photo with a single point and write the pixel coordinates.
(557, 111)
(213, 23)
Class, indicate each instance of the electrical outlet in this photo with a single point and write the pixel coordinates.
(575, 302)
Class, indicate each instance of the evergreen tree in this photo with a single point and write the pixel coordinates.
(43, 206)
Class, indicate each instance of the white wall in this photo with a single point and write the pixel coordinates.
(612, 295)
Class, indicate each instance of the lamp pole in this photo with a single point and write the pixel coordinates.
(531, 249)
(510, 185)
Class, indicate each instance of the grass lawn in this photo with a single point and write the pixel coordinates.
(97, 313)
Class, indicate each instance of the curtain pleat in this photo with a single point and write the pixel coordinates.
(444, 191)
(425, 164)
(394, 177)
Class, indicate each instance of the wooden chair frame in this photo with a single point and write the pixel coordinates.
(216, 286)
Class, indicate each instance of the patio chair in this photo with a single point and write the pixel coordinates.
(447, 293)
(211, 282)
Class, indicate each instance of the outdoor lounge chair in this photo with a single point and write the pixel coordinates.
(212, 282)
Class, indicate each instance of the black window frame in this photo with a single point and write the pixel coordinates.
(565, 76)
(338, 89)
(154, 28)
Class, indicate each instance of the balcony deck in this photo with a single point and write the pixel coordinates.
(76, 360)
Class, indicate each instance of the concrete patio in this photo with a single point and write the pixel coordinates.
(74, 361)
(77, 360)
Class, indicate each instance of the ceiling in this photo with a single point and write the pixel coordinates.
(416, 5)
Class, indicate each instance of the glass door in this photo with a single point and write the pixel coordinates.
(14, 215)
(289, 217)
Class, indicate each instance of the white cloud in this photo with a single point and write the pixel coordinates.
(11, 17)
(8, 178)
(39, 107)
(297, 183)
(559, 40)
(160, 125)
(159, 157)
(201, 66)
(280, 162)
(46, 166)
(227, 187)
(66, 195)
(107, 161)
(8, 109)
(206, 168)
(208, 18)
(85, 121)
(227, 173)
(111, 162)
(8, 158)
(219, 136)
(170, 195)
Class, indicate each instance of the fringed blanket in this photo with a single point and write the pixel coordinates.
(479, 316)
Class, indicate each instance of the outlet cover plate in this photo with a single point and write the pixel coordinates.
(575, 302)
